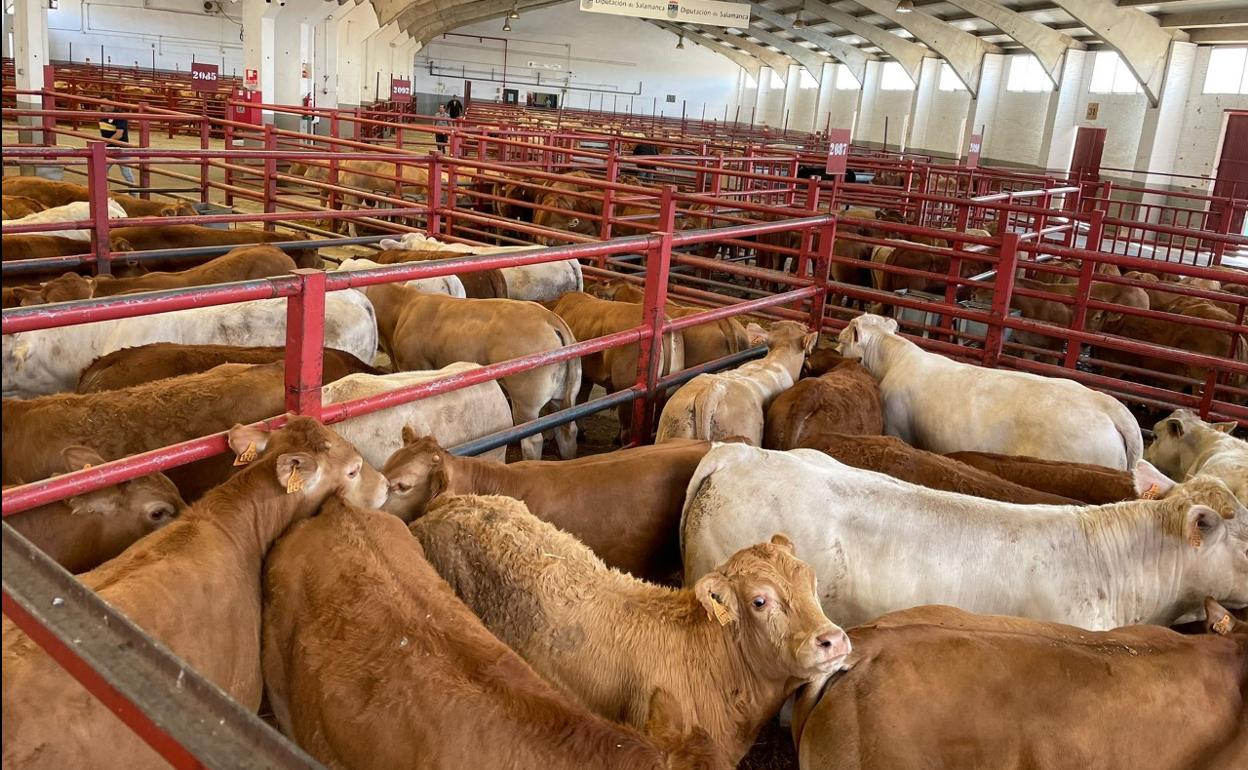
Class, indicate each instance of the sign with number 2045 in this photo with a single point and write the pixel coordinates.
(204, 77)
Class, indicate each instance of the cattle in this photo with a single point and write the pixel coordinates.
(51, 360)
(939, 687)
(999, 411)
(478, 284)
(844, 400)
(52, 194)
(449, 285)
(1098, 567)
(184, 236)
(349, 568)
(17, 247)
(1175, 333)
(540, 283)
(17, 206)
(1185, 446)
(160, 360)
(563, 194)
(1091, 484)
(70, 212)
(593, 498)
(896, 458)
(241, 264)
(717, 406)
(86, 530)
(429, 331)
(194, 586)
(613, 369)
(610, 640)
(1060, 314)
(452, 418)
(703, 343)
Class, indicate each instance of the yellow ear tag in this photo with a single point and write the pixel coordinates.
(1195, 541)
(295, 482)
(87, 467)
(721, 614)
(249, 455)
(1223, 626)
(1152, 493)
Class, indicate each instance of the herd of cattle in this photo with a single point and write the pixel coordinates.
(938, 565)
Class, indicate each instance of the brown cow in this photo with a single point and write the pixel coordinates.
(730, 650)
(18, 206)
(141, 418)
(194, 586)
(1179, 335)
(36, 246)
(1091, 484)
(479, 284)
(896, 458)
(938, 687)
(181, 236)
(241, 264)
(86, 530)
(52, 194)
(160, 360)
(356, 569)
(592, 497)
(845, 400)
(429, 331)
(704, 342)
(1062, 315)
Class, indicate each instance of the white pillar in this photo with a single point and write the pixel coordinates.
(921, 105)
(30, 54)
(982, 110)
(866, 130)
(259, 46)
(1163, 124)
(6, 20)
(377, 67)
(1062, 117)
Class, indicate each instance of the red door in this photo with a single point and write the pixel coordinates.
(1085, 161)
(1231, 180)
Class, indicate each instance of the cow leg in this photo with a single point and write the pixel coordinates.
(587, 387)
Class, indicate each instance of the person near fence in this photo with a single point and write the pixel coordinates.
(117, 130)
(455, 108)
(442, 119)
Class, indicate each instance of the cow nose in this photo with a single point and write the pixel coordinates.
(833, 643)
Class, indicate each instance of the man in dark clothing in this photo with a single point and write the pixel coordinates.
(455, 108)
(118, 130)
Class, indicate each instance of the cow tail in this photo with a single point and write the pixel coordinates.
(1129, 430)
(572, 369)
(704, 407)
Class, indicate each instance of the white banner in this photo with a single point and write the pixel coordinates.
(693, 11)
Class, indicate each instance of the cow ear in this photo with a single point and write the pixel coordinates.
(1202, 526)
(809, 342)
(1150, 483)
(28, 296)
(247, 443)
(756, 335)
(1217, 619)
(297, 471)
(783, 541)
(1224, 427)
(715, 594)
(409, 435)
(1172, 427)
(78, 457)
(890, 325)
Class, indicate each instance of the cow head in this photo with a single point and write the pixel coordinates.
(66, 288)
(310, 461)
(417, 472)
(766, 596)
(783, 335)
(179, 209)
(1177, 441)
(857, 337)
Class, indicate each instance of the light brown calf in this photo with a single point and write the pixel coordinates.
(480, 284)
(845, 400)
(52, 194)
(195, 586)
(181, 236)
(1091, 484)
(18, 206)
(704, 342)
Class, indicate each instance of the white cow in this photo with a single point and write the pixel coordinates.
(1186, 446)
(451, 418)
(48, 361)
(878, 544)
(539, 283)
(449, 285)
(70, 212)
(942, 405)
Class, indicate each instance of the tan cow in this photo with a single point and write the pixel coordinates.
(18, 206)
(935, 686)
(430, 331)
(717, 406)
(1186, 446)
(844, 400)
(195, 586)
(1178, 335)
(350, 591)
(52, 194)
(730, 650)
(179, 236)
(594, 498)
(1062, 315)
(86, 530)
(704, 342)
(17, 247)
(479, 284)
(614, 368)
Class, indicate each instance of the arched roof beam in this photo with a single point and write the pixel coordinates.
(744, 60)
(909, 55)
(1138, 38)
(1045, 43)
(425, 23)
(964, 51)
(778, 62)
(851, 56)
(808, 58)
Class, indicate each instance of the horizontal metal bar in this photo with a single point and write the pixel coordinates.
(684, 375)
(554, 419)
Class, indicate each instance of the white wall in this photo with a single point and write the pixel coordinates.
(1203, 123)
(608, 53)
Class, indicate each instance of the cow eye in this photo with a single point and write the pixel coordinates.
(159, 514)
(759, 602)
(401, 486)
(353, 472)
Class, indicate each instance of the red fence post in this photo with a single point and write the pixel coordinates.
(305, 339)
(205, 132)
(229, 172)
(1003, 291)
(608, 201)
(145, 141)
(1086, 270)
(434, 198)
(658, 268)
(823, 266)
(48, 103)
(97, 183)
(452, 170)
(270, 175)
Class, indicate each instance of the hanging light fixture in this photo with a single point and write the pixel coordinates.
(506, 25)
(515, 14)
(680, 42)
(799, 22)
(905, 6)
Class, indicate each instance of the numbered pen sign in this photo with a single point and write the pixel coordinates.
(400, 90)
(972, 153)
(204, 77)
(838, 151)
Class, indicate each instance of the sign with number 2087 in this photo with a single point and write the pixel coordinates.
(838, 151)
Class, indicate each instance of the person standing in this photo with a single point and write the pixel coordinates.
(116, 130)
(441, 120)
(455, 108)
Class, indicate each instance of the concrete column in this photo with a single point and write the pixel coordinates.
(1062, 116)
(259, 45)
(823, 103)
(921, 103)
(866, 130)
(982, 110)
(352, 29)
(792, 92)
(30, 54)
(294, 43)
(6, 21)
(378, 58)
(1159, 136)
